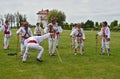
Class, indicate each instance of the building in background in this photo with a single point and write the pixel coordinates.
(42, 17)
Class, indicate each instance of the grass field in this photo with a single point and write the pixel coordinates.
(89, 66)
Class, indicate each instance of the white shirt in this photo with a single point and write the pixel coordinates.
(23, 31)
(38, 39)
(55, 28)
(38, 30)
(75, 33)
(107, 32)
(60, 29)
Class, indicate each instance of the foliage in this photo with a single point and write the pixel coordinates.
(58, 15)
(89, 24)
(114, 24)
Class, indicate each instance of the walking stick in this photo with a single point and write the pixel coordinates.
(17, 45)
(96, 44)
(59, 56)
(15, 53)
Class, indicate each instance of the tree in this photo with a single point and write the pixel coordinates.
(97, 26)
(114, 24)
(89, 24)
(19, 18)
(15, 18)
(60, 16)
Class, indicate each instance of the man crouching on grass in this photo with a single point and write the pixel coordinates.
(33, 43)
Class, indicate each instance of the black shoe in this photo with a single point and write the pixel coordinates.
(39, 60)
(53, 54)
(102, 53)
(57, 46)
(109, 54)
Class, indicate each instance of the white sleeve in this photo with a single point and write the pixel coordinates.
(83, 33)
(18, 31)
(35, 30)
(45, 36)
(60, 29)
(73, 32)
(100, 33)
(108, 32)
(30, 32)
(46, 29)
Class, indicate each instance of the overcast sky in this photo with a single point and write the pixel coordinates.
(75, 10)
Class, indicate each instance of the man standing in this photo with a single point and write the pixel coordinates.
(25, 32)
(7, 34)
(105, 32)
(52, 28)
(73, 37)
(38, 30)
(33, 43)
(58, 35)
(79, 38)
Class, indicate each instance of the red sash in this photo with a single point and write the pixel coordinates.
(32, 41)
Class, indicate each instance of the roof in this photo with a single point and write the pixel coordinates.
(43, 11)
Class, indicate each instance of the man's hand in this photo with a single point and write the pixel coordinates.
(96, 36)
(108, 39)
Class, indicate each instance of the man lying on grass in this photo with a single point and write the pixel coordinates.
(33, 43)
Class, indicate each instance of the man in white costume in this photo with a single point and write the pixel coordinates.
(38, 30)
(58, 35)
(7, 34)
(105, 33)
(33, 43)
(73, 37)
(52, 28)
(79, 38)
(24, 32)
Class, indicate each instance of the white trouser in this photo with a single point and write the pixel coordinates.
(33, 46)
(6, 42)
(52, 45)
(22, 46)
(73, 41)
(57, 39)
(81, 45)
(105, 43)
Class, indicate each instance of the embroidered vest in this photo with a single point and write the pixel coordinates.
(27, 35)
(6, 30)
(103, 31)
(79, 33)
(38, 30)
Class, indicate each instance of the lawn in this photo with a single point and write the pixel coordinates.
(89, 66)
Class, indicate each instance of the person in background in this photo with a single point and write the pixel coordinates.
(105, 33)
(79, 38)
(38, 30)
(7, 34)
(52, 28)
(24, 32)
(73, 37)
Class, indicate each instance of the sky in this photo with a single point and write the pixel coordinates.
(75, 10)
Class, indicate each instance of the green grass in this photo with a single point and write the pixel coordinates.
(89, 66)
